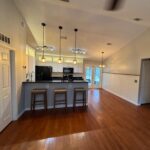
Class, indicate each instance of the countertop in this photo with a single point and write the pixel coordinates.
(56, 81)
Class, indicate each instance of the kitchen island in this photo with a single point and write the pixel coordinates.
(51, 86)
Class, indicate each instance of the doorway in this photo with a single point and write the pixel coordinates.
(144, 90)
(93, 76)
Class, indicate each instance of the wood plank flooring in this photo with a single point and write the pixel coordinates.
(109, 123)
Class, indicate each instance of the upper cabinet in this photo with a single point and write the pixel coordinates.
(66, 62)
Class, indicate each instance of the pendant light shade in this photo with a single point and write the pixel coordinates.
(102, 61)
(59, 60)
(75, 59)
(43, 59)
(60, 57)
(43, 53)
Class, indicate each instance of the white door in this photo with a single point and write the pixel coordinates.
(93, 76)
(5, 94)
(89, 76)
(97, 77)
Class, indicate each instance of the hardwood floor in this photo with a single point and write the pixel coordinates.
(109, 123)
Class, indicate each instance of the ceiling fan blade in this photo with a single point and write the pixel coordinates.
(114, 4)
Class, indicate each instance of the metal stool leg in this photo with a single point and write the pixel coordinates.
(45, 100)
(84, 99)
(34, 99)
(31, 101)
(54, 100)
(66, 100)
(74, 100)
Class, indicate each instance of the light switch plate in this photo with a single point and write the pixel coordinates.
(136, 81)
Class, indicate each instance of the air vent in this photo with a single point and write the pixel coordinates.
(4, 38)
(67, 1)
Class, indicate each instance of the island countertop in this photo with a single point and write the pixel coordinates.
(57, 81)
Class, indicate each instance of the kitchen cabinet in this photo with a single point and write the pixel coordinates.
(78, 68)
(57, 67)
(66, 62)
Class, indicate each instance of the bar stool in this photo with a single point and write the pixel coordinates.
(58, 101)
(81, 91)
(35, 101)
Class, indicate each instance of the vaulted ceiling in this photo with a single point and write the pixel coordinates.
(97, 27)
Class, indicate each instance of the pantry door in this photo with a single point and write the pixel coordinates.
(5, 89)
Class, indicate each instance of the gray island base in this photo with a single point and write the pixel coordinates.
(51, 86)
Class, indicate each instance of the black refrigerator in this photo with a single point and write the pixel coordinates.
(43, 73)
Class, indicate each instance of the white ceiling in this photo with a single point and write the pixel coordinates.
(96, 25)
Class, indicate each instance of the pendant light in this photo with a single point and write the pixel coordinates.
(60, 58)
(43, 47)
(75, 59)
(102, 61)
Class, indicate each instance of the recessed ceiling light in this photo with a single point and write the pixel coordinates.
(109, 44)
(137, 19)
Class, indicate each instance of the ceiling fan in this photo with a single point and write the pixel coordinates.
(113, 5)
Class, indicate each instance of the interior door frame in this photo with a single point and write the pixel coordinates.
(14, 107)
(5, 49)
(13, 86)
(140, 82)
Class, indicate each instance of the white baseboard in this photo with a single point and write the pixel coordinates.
(19, 115)
(124, 98)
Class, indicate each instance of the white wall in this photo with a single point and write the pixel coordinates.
(123, 86)
(127, 61)
(30, 63)
(11, 24)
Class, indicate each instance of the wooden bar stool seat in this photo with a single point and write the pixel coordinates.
(34, 101)
(81, 91)
(63, 92)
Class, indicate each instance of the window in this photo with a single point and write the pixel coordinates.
(89, 74)
(97, 76)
